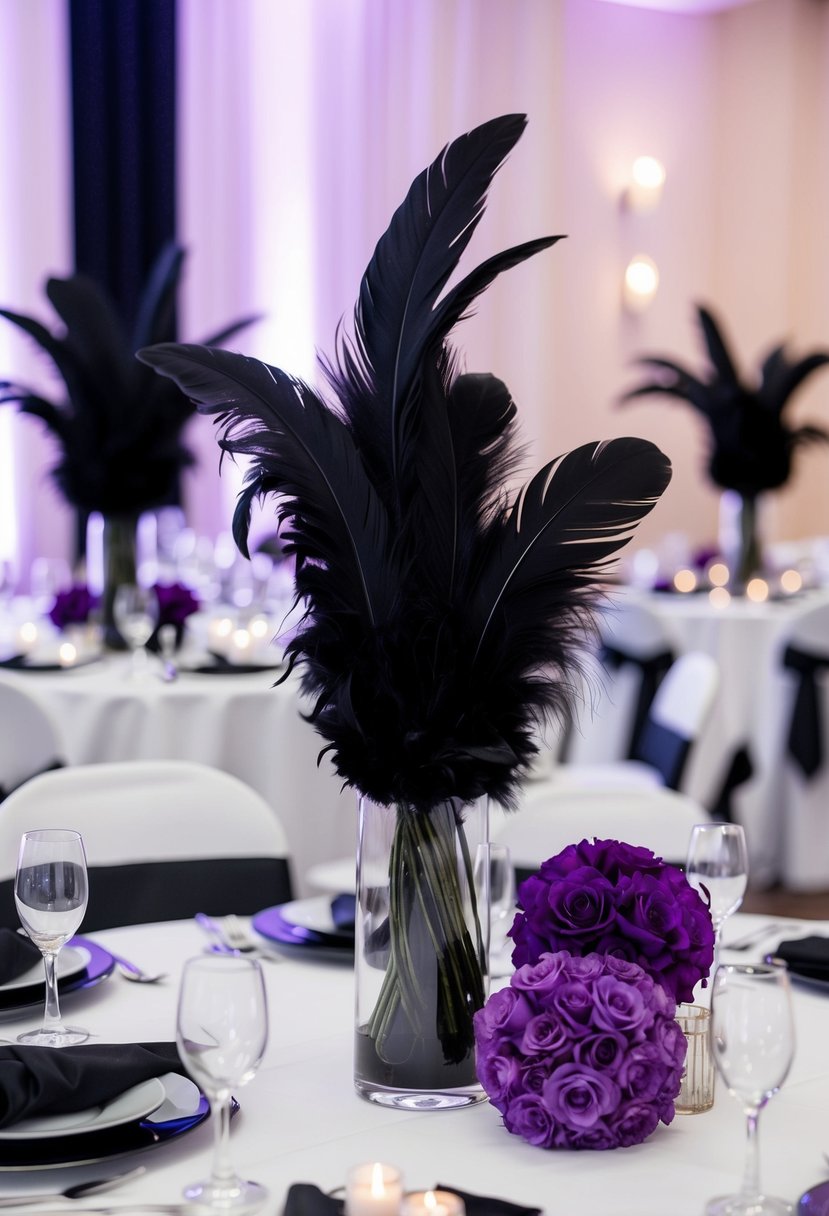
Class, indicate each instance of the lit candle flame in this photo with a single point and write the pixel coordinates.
(378, 1186)
(430, 1201)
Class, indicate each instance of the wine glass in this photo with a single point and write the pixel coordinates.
(494, 877)
(718, 867)
(135, 609)
(752, 1040)
(50, 891)
(222, 1029)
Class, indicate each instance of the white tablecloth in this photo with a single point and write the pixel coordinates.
(301, 1119)
(238, 723)
(750, 710)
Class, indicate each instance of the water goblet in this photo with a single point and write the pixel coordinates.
(717, 866)
(752, 1040)
(494, 877)
(135, 609)
(221, 1032)
(50, 891)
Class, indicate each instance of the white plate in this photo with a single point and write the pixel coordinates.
(313, 913)
(71, 961)
(134, 1104)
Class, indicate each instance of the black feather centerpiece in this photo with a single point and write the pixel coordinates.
(434, 604)
(444, 620)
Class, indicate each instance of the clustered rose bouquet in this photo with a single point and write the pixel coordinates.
(612, 898)
(583, 1050)
(73, 606)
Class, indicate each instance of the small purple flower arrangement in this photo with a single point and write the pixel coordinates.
(581, 1052)
(583, 1049)
(175, 603)
(73, 606)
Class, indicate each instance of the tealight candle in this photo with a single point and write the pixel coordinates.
(791, 581)
(373, 1190)
(433, 1203)
(685, 580)
(67, 654)
(219, 631)
(258, 627)
(27, 636)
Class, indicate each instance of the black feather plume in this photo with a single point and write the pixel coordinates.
(443, 621)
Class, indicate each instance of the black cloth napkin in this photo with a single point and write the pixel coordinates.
(17, 954)
(304, 1199)
(806, 956)
(50, 1081)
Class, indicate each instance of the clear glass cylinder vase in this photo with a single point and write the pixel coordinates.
(421, 944)
(119, 568)
(740, 539)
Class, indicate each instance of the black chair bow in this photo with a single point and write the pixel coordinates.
(652, 669)
(805, 742)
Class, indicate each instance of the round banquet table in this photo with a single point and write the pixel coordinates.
(301, 1120)
(750, 713)
(241, 724)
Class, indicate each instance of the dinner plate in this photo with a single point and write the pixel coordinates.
(133, 1104)
(71, 960)
(815, 1201)
(184, 1107)
(99, 967)
(279, 929)
(315, 914)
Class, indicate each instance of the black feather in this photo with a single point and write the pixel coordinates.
(751, 446)
(443, 620)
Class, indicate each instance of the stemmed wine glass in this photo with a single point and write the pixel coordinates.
(135, 609)
(50, 891)
(718, 867)
(494, 877)
(222, 1029)
(752, 1040)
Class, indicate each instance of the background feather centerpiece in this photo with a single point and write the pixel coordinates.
(443, 619)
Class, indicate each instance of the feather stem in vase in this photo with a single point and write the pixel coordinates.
(443, 622)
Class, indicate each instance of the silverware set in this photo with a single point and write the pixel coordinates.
(227, 935)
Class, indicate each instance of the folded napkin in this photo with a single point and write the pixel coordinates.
(47, 1081)
(806, 956)
(17, 954)
(304, 1199)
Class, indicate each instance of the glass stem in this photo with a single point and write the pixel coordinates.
(750, 1188)
(223, 1174)
(51, 1018)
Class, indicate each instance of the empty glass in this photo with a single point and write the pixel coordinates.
(495, 884)
(222, 1029)
(718, 867)
(135, 609)
(752, 1039)
(50, 891)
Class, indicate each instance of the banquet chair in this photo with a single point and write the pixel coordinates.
(679, 710)
(164, 839)
(550, 818)
(30, 739)
(633, 656)
(802, 729)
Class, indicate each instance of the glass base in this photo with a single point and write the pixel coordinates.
(67, 1036)
(235, 1195)
(742, 1205)
(419, 1099)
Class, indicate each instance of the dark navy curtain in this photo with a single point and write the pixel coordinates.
(123, 74)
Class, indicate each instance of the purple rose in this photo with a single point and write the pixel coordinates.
(578, 1096)
(643, 1072)
(604, 1051)
(533, 1077)
(634, 1123)
(670, 1041)
(573, 1002)
(620, 1006)
(73, 607)
(651, 915)
(624, 968)
(588, 967)
(500, 1075)
(175, 603)
(546, 1034)
(581, 903)
(507, 1011)
(542, 977)
(598, 1137)
(529, 1118)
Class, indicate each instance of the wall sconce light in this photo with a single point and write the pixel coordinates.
(647, 177)
(641, 282)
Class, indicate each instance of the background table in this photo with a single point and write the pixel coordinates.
(238, 723)
(301, 1119)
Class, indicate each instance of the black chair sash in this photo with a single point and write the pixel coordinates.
(805, 742)
(652, 670)
(143, 892)
(664, 750)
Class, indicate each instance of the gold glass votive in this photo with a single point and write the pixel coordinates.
(697, 1093)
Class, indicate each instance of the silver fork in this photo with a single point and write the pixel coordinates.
(238, 938)
(753, 938)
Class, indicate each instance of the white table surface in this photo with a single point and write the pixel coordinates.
(241, 724)
(301, 1119)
